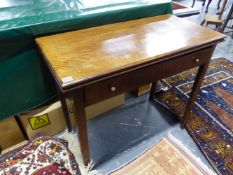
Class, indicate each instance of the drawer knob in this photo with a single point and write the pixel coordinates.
(113, 88)
(197, 60)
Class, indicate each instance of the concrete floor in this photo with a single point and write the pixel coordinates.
(124, 133)
(121, 135)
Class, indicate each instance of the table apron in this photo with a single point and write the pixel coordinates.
(123, 83)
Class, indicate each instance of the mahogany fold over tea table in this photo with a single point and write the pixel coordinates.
(97, 63)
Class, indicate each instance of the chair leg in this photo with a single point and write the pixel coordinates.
(193, 3)
(219, 2)
(203, 22)
(207, 7)
(219, 28)
(203, 3)
(229, 17)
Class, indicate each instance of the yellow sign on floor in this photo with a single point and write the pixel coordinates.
(39, 121)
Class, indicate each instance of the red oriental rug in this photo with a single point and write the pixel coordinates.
(211, 123)
(42, 156)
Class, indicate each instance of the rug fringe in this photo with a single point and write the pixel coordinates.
(72, 139)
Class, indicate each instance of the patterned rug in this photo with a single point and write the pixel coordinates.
(166, 158)
(211, 124)
(43, 155)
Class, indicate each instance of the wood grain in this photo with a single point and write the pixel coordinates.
(124, 83)
(92, 52)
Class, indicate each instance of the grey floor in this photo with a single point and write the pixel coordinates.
(121, 135)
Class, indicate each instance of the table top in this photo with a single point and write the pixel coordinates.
(80, 56)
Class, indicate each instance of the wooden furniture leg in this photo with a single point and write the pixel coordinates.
(207, 7)
(219, 4)
(203, 22)
(193, 3)
(203, 3)
(65, 111)
(195, 90)
(229, 17)
(79, 112)
(21, 127)
(152, 90)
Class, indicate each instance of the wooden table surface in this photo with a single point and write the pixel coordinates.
(96, 51)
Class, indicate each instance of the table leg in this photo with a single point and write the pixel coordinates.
(152, 90)
(66, 112)
(79, 112)
(195, 90)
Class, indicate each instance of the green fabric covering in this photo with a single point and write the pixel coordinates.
(25, 81)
